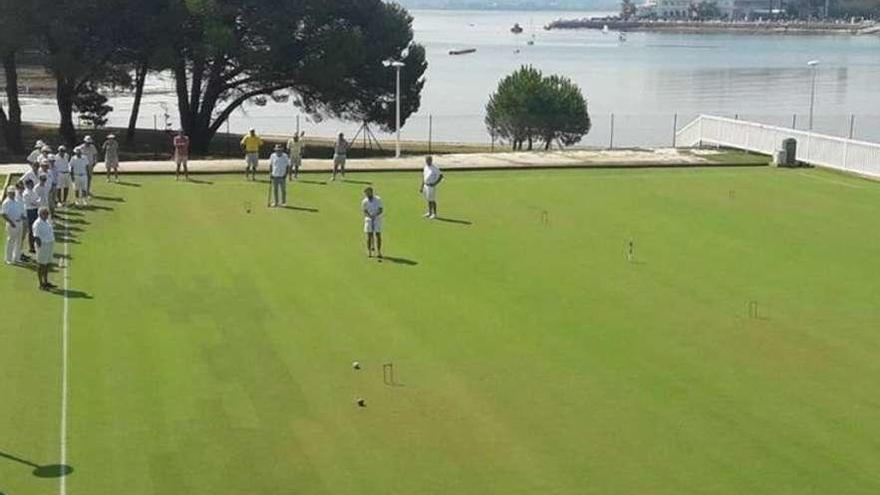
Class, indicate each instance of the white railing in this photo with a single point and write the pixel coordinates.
(849, 155)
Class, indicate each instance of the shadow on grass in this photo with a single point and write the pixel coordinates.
(200, 182)
(454, 220)
(357, 182)
(312, 182)
(47, 471)
(72, 294)
(398, 261)
(301, 208)
(115, 199)
(94, 207)
(128, 184)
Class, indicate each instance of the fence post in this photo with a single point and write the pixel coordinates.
(430, 131)
(155, 131)
(297, 124)
(674, 128)
(228, 136)
(794, 121)
(852, 124)
(611, 142)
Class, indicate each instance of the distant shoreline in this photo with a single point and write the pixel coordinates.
(743, 27)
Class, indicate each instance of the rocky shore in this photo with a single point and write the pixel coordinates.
(745, 27)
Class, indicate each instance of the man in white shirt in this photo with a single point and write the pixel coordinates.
(373, 209)
(44, 237)
(43, 192)
(31, 201)
(295, 147)
(340, 155)
(32, 175)
(34, 157)
(431, 178)
(79, 169)
(47, 168)
(12, 211)
(90, 151)
(62, 175)
(279, 168)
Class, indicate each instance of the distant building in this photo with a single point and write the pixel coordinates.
(729, 9)
(666, 9)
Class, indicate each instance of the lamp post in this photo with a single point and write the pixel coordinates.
(813, 65)
(397, 65)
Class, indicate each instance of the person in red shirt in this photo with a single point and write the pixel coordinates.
(181, 154)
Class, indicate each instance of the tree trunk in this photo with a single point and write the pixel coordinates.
(140, 79)
(64, 95)
(12, 124)
(530, 143)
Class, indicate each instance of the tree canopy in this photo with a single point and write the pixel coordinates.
(529, 107)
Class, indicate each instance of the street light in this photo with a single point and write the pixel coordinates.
(813, 65)
(397, 65)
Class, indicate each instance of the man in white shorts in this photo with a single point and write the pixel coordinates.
(295, 151)
(111, 157)
(90, 151)
(62, 174)
(44, 192)
(12, 211)
(251, 144)
(431, 178)
(279, 168)
(79, 169)
(181, 154)
(44, 237)
(340, 154)
(34, 157)
(373, 210)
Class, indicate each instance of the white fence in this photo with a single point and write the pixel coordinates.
(859, 157)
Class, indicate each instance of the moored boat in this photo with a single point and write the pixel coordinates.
(464, 51)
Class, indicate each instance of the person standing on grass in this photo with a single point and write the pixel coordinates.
(181, 155)
(44, 238)
(251, 144)
(12, 211)
(31, 206)
(79, 168)
(43, 191)
(373, 211)
(295, 148)
(111, 157)
(279, 169)
(62, 174)
(34, 157)
(48, 168)
(32, 175)
(340, 155)
(431, 178)
(91, 153)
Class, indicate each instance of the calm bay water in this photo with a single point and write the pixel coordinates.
(643, 81)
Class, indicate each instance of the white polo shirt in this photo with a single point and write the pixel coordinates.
(34, 157)
(279, 164)
(42, 229)
(89, 151)
(30, 174)
(13, 209)
(373, 207)
(42, 192)
(62, 164)
(431, 174)
(79, 165)
(31, 199)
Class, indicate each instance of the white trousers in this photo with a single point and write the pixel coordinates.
(13, 243)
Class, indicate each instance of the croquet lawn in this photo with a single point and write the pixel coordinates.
(210, 348)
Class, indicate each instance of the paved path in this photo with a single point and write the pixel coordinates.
(662, 157)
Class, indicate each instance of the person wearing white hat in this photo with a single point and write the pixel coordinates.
(31, 205)
(111, 157)
(33, 174)
(44, 238)
(431, 178)
(181, 154)
(91, 153)
(12, 211)
(43, 191)
(48, 168)
(34, 157)
(295, 146)
(373, 210)
(62, 175)
(79, 169)
(340, 155)
(279, 169)
(251, 143)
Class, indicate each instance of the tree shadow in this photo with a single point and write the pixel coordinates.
(128, 184)
(398, 261)
(47, 471)
(454, 220)
(301, 208)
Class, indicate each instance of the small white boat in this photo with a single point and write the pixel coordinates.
(465, 51)
(605, 29)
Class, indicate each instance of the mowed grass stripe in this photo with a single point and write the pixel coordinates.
(534, 358)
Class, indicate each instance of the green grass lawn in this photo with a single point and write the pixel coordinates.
(211, 348)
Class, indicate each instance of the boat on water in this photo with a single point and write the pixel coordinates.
(464, 51)
(621, 37)
(605, 29)
(517, 29)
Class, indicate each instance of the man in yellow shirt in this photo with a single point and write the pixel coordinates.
(251, 143)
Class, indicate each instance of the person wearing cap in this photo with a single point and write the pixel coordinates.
(44, 238)
(431, 178)
(48, 169)
(111, 157)
(295, 148)
(62, 175)
(31, 201)
(33, 174)
(340, 154)
(91, 153)
(79, 169)
(373, 210)
(181, 154)
(43, 189)
(279, 169)
(251, 143)
(12, 211)
(34, 157)
(25, 231)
